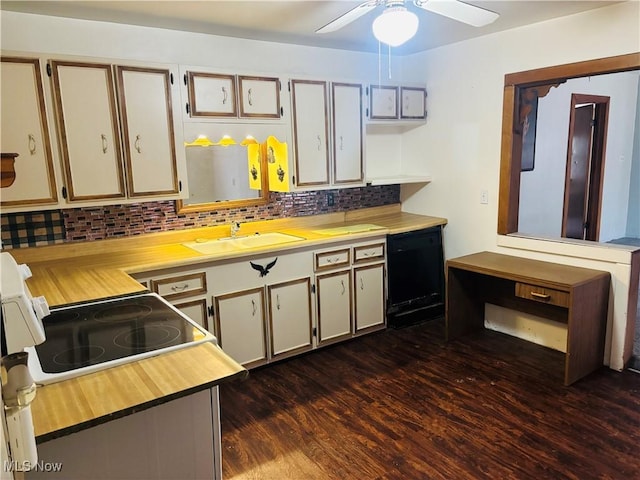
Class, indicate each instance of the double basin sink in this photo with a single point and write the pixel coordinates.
(234, 244)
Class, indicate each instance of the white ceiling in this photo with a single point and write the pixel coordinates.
(296, 21)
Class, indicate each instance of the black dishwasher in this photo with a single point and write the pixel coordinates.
(416, 284)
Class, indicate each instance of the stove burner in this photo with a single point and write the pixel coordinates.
(148, 337)
(84, 355)
(111, 332)
(122, 313)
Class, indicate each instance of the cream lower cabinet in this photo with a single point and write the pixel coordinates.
(334, 304)
(369, 290)
(185, 289)
(350, 290)
(290, 319)
(240, 325)
(262, 307)
(369, 297)
(333, 294)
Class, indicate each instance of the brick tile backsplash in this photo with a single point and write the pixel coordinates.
(113, 221)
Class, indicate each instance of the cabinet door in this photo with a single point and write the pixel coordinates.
(240, 326)
(211, 95)
(196, 310)
(369, 296)
(347, 133)
(383, 102)
(147, 124)
(259, 97)
(290, 317)
(25, 131)
(333, 299)
(310, 132)
(413, 103)
(87, 119)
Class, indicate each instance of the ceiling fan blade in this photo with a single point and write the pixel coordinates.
(350, 16)
(460, 11)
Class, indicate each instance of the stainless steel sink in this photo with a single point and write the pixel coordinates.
(228, 244)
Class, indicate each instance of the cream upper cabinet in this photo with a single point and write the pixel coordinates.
(259, 97)
(211, 95)
(413, 103)
(25, 131)
(316, 164)
(147, 125)
(88, 129)
(348, 162)
(311, 129)
(91, 128)
(383, 102)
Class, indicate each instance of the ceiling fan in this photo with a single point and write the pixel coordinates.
(396, 24)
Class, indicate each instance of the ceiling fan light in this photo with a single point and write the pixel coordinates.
(395, 26)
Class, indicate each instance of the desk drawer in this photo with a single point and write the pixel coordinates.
(542, 295)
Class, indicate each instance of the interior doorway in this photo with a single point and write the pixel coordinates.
(585, 166)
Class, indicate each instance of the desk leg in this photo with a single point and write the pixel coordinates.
(586, 330)
(464, 306)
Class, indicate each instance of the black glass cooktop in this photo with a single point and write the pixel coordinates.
(93, 333)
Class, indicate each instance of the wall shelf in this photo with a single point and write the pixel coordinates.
(399, 179)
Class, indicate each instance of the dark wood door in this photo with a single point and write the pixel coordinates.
(576, 194)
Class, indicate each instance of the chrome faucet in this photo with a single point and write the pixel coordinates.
(235, 227)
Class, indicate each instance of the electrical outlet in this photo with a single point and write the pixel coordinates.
(330, 199)
(484, 197)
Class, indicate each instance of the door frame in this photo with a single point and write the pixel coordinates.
(596, 163)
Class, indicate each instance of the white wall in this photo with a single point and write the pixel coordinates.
(633, 216)
(542, 189)
(460, 143)
(38, 33)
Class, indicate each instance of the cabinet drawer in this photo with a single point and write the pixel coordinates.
(180, 286)
(365, 253)
(332, 259)
(542, 295)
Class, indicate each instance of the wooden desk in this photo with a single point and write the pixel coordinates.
(578, 297)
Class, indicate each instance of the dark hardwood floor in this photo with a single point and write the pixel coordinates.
(402, 404)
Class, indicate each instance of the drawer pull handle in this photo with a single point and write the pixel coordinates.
(343, 289)
(541, 296)
(253, 304)
(180, 288)
(103, 137)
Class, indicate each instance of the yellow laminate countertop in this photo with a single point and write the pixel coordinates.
(80, 272)
(85, 271)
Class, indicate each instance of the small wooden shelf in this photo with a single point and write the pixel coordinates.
(8, 173)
